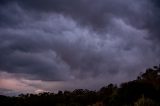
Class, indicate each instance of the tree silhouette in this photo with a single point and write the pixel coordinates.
(144, 102)
(127, 94)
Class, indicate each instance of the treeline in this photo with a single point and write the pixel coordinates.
(144, 91)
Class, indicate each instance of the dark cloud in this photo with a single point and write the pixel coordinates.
(55, 40)
(7, 92)
(154, 24)
(95, 13)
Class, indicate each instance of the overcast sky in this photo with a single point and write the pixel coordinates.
(50, 45)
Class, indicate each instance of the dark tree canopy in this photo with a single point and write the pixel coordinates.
(144, 91)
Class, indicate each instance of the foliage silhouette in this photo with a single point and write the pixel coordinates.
(127, 94)
(144, 102)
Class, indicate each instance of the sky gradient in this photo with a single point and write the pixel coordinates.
(50, 45)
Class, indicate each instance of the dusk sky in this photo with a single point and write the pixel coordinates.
(51, 45)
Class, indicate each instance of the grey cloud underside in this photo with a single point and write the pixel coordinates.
(6, 92)
(68, 39)
(95, 13)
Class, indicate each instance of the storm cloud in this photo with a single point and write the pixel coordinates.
(78, 41)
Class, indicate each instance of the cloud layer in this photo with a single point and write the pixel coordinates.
(77, 42)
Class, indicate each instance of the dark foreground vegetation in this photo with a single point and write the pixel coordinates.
(144, 91)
